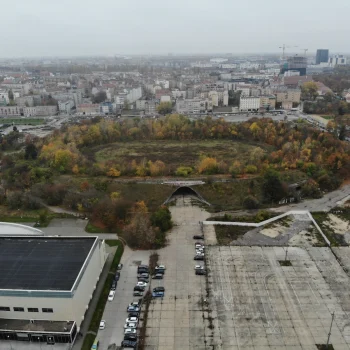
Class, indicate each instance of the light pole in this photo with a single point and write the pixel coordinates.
(8, 337)
(330, 329)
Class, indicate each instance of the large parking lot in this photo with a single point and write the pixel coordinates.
(248, 300)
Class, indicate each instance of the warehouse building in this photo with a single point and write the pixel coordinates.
(46, 284)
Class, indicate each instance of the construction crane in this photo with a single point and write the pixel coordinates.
(284, 47)
(305, 51)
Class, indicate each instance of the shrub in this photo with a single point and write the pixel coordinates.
(250, 202)
(251, 169)
(208, 166)
(183, 171)
(14, 200)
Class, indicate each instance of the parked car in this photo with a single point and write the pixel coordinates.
(143, 275)
(137, 293)
(157, 276)
(142, 284)
(117, 276)
(130, 337)
(159, 289)
(120, 266)
(114, 285)
(102, 325)
(139, 289)
(158, 294)
(111, 295)
(199, 257)
(198, 237)
(160, 267)
(198, 245)
(132, 344)
(130, 325)
(142, 268)
(129, 331)
(146, 280)
(201, 272)
(133, 314)
(199, 267)
(132, 319)
(135, 303)
(133, 309)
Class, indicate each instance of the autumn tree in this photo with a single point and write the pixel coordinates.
(139, 233)
(165, 108)
(208, 166)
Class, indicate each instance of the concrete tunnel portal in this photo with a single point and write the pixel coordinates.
(186, 191)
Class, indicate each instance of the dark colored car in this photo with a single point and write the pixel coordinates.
(198, 237)
(117, 276)
(142, 268)
(129, 344)
(199, 257)
(114, 285)
(160, 271)
(130, 337)
(139, 289)
(201, 272)
(157, 276)
(159, 289)
(158, 294)
(133, 314)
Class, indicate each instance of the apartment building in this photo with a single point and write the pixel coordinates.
(196, 105)
(268, 102)
(249, 104)
(148, 106)
(288, 97)
(88, 109)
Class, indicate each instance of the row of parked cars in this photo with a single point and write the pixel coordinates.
(134, 308)
(111, 293)
(199, 249)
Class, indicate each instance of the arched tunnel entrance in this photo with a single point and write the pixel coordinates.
(186, 191)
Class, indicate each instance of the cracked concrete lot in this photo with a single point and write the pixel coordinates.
(248, 300)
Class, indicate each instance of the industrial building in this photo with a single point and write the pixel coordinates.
(295, 63)
(46, 284)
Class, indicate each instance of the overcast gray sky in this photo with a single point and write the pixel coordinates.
(107, 27)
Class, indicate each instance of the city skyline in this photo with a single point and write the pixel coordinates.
(196, 27)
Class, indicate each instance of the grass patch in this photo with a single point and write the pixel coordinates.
(175, 153)
(97, 315)
(336, 240)
(324, 347)
(24, 121)
(88, 341)
(262, 215)
(226, 234)
(112, 242)
(90, 228)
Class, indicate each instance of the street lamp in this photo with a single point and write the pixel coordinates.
(8, 337)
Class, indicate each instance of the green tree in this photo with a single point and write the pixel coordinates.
(273, 188)
(162, 219)
(10, 95)
(165, 108)
(342, 132)
(309, 91)
(100, 97)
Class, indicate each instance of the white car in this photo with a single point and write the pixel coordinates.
(129, 331)
(141, 284)
(132, 319)
(130, 325)
(199, 267)
(198, 245)
(160, 267)
(102, 325)
(111, 295)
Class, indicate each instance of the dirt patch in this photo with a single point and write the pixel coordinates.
(338, 225)
(273, 232)
(226, 234)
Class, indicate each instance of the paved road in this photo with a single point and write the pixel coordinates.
(115, 312)
(327, 202)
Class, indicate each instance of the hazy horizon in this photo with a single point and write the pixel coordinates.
(72, 29)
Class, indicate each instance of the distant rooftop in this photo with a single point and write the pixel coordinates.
(42, 263)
